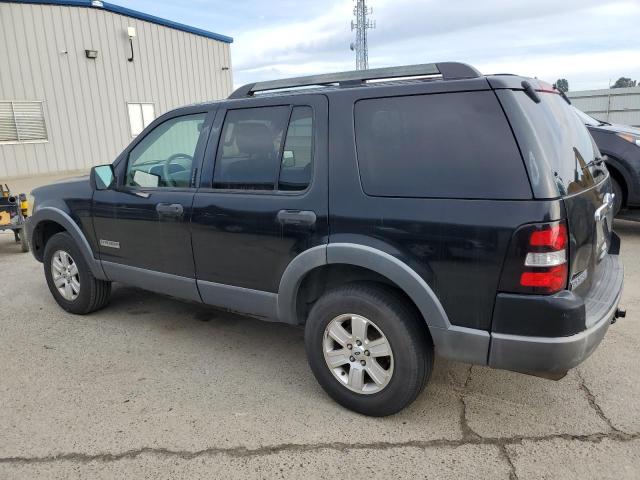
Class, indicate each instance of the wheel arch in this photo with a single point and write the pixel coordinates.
(618, 173)
(450, 341)
(41, 234)
(381, 266)
(46, 222)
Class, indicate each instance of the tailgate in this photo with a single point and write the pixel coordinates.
(564, 163)
(590, 219)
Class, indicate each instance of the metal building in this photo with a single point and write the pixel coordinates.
(79, 79)
(613, 105)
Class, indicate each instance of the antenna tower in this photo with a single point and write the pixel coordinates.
(361, 24)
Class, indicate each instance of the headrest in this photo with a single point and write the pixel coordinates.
(252, 138)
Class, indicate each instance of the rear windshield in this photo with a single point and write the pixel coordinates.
(556, 145)
(453, 145)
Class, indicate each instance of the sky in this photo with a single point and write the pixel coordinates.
(589, 42)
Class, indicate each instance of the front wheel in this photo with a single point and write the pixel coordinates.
(368, 349)
(617, 199)
(70, 279)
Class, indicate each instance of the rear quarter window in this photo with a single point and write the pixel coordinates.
(453, 145)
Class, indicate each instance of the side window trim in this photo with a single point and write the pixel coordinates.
(312, 160)
(285, 134)
(198, 156)
(211, 154)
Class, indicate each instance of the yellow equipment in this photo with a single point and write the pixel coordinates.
(13, 213)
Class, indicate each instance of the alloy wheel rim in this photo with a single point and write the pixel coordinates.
(358, 353)
(66, 277)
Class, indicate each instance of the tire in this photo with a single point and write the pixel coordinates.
(89, 293)
(24, 243)
(617, 201)
(385, 314)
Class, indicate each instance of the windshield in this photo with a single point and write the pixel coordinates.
(587, 119)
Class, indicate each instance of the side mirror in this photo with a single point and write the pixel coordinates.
(102, 177)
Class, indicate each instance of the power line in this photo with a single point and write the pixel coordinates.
(361, 25)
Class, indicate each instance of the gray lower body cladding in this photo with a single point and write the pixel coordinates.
(532, 354)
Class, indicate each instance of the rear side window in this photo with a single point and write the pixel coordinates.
(249, 150)
(453, 145)
(265, 148)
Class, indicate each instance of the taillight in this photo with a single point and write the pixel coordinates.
(550, 280)
(538, 259)
(554, 236)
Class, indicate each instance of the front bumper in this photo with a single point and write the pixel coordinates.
(533, 354)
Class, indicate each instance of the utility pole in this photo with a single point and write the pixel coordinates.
(608, 101)
(361, 25)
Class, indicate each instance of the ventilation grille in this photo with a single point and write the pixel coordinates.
(22, 122)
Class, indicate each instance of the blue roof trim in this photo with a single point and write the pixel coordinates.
(110, 7)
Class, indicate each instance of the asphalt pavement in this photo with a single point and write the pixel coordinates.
(154, 387)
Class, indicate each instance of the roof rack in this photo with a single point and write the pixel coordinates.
(447, 70)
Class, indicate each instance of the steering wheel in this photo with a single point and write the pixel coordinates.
(166, 175)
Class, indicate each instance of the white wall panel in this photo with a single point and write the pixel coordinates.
(616, 105)
(85, 101)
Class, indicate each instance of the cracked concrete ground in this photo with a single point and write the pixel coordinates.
(152, 387)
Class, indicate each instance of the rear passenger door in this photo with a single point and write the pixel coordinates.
(263, 195)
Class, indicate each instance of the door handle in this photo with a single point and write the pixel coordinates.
(170, 209)
(296, 217)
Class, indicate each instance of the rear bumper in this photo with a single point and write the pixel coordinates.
(535, 354)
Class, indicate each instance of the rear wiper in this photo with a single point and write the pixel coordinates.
(562, 94)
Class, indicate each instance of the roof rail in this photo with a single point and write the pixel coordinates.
(447, 70)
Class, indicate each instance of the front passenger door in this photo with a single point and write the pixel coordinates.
(142, 226)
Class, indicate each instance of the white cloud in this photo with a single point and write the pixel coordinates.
(586, 41)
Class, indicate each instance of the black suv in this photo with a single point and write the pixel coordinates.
(393, 213)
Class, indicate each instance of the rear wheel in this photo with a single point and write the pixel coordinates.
(70, 279)
(367, 349)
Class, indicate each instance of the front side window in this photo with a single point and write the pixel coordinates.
(164, 158)
(251, 154)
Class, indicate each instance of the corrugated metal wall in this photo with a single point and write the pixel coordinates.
(613, 105)
(85, 101)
